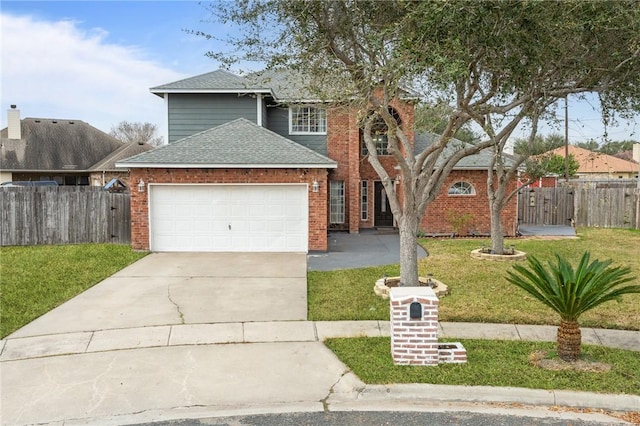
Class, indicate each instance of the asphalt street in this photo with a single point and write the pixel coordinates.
(373, 418)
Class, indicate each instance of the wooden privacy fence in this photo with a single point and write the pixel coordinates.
(546, 206)
(63, 215)
(594, 204)
(607, 207)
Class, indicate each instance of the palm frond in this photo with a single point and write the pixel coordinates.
(571, 292)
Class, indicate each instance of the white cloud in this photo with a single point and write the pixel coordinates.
(58, 70)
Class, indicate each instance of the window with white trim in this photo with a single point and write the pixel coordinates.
(462, 188)
(307, 119)
(364, 200)
(336, 201)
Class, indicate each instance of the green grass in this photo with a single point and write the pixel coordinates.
(491, 363)
(36, 279)
(479, 290)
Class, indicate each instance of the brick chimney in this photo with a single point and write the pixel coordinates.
(13, 123)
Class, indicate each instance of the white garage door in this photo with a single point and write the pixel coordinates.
(259, 218)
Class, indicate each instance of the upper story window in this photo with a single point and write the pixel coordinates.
(462, 188)
(307, 120)
(381, 142)
(379, 135)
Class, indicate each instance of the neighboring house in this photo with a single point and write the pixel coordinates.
(550, 181)
(595, 165)
(70, 152)
(256, 164)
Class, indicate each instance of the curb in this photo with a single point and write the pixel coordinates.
(485, 394)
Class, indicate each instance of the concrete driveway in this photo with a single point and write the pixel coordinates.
(186, 288)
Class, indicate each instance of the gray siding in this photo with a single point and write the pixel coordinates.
(193, 113)
(278, 119)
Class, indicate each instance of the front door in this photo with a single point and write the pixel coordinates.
(382, 208)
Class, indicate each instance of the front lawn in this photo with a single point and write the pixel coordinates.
(36, 279)
(492, 363)
(479, 290)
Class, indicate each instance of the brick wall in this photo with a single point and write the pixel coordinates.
(435, 219)
(317, 200)
(344, 146)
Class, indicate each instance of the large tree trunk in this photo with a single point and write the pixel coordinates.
(408, 227)
(497, 235)
(569, 341)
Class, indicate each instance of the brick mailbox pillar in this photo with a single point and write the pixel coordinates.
(414, 325)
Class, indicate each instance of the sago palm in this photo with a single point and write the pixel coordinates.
(571, 292)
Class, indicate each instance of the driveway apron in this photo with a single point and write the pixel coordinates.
(186, 288)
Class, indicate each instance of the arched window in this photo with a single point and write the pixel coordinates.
(462, 188)
(379, 134)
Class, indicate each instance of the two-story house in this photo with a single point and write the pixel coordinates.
(254, 163)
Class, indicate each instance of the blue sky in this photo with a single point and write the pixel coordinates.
(96, 60)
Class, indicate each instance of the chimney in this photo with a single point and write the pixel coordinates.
(636, 152)
(13, 123)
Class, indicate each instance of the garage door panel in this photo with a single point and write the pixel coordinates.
(228, 217)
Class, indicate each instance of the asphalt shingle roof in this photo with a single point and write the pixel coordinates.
(219, 80)
(285, 86)
(125, 151)
(238, 143)
(54, 145)
(479, 161)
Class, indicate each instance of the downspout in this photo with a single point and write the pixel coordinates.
(259, 109)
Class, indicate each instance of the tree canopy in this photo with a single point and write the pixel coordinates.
(609, 148)
(131, 132)
(500, 64)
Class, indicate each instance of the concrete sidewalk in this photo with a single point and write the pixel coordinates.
(21, 348)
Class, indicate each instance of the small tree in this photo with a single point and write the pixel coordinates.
(137, 133)
(570, 293)
(555, 164)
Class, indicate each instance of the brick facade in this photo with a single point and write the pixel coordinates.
(344, 142)
(438, 216)
(317, 200)
(344, 146)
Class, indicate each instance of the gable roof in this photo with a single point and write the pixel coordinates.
(55, 145)
(596, 162)
(236, 144)
(125, 151)
(285, 86)
(479, 161)
(219, 81)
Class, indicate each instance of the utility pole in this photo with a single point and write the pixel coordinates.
(566, 138)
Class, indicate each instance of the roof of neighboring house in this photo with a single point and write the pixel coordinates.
(125, 151)
(595, 162)
(55, 145)
(479, 161)
(238, 144)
